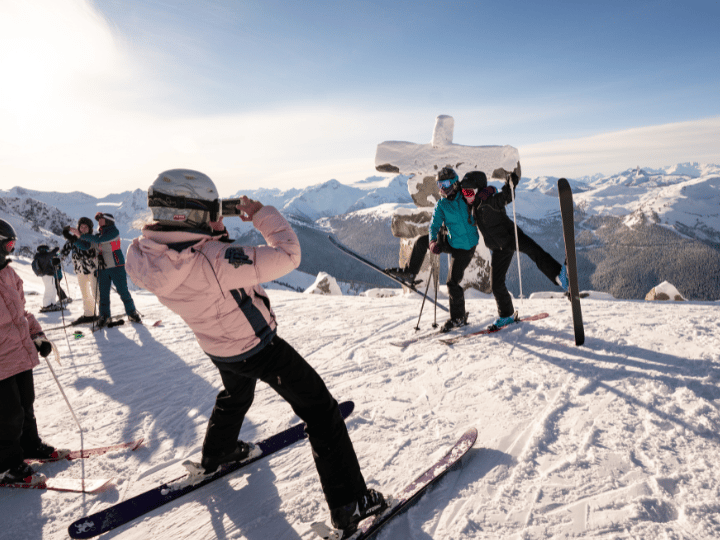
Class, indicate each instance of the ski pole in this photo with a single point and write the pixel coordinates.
(436, 282)
(517, 241)
(82, 437)
(417, 326)
(62, 315)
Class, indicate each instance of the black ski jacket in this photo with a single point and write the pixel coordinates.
(488, 208)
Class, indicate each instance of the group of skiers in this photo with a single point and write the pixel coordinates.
(185, 257)
(467, 206)
(98, 263)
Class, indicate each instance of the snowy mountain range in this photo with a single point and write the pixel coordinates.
(634, 229)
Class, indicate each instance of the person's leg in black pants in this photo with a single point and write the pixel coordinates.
(459, 261)
(499, 263)
(286, 372)
(18, 427)
(542, 259)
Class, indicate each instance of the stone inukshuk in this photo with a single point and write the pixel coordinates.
(420, 162)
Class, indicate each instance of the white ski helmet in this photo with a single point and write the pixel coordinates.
(185, 198)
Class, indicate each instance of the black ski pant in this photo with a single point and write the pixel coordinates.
(459, 261)
(285, 371)
(61, 294)
(500, 262)
(18, 427)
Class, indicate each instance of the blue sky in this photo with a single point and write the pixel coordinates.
(103, 95)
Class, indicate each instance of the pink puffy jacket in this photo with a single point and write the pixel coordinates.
(17, 327)
(215, 286)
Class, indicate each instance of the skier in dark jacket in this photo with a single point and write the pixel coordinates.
(498, 231)
(111, 268)
(46, 265)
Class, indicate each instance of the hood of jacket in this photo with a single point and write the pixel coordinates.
(163, 260)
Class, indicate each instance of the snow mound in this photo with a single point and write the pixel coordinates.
(324, 284)
(664, 291)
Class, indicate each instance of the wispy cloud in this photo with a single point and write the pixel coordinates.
(649, 146)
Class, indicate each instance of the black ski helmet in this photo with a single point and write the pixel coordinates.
(446, 173)
(85, 221)
(474, 180)
(8, 237)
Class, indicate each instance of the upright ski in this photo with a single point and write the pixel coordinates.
(130, 509)
(406, 497)
(375, 267)
(568, 224)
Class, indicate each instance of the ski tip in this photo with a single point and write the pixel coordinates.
(471, 434)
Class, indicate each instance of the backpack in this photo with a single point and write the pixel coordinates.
(36, 267)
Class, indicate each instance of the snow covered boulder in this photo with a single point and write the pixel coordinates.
(324, 284)
(664, 291)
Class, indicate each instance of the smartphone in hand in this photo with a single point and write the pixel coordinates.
(229, 207)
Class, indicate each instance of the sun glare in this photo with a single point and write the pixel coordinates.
(54, 52)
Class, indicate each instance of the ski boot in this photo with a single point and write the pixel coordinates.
(22, 473)
(454, 323)
(346, 518)
(562, 278)
(503, 321)
(209, 464)
(403, 274)
(45, 452)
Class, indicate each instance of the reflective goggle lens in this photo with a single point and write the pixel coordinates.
(444, 184)
(468, 193)
(9, 245)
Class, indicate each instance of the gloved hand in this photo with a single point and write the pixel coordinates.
(217, 225)
(513, 178)
(248, 207)
(434, 247)
(42, 345)
(56, 261)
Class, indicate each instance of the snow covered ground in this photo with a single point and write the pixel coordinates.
(615, 439)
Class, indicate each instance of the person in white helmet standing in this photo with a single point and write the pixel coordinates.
(185, 258)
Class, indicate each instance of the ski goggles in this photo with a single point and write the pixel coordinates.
(445, 184)
(164, 200)
(9, 246)
(469, 193)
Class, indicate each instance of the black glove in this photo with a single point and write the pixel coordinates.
(56, 261)
(514, 178)
(507, 192)
(43, 345)
(70, 237)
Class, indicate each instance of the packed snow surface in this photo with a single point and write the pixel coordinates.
(615, 439)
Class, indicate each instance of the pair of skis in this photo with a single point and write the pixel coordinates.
(86, 485)
(126, 511)
(451, 337)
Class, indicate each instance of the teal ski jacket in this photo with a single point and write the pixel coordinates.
(455, 214)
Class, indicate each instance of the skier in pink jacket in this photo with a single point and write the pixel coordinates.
(21, 338)
(187, 261)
